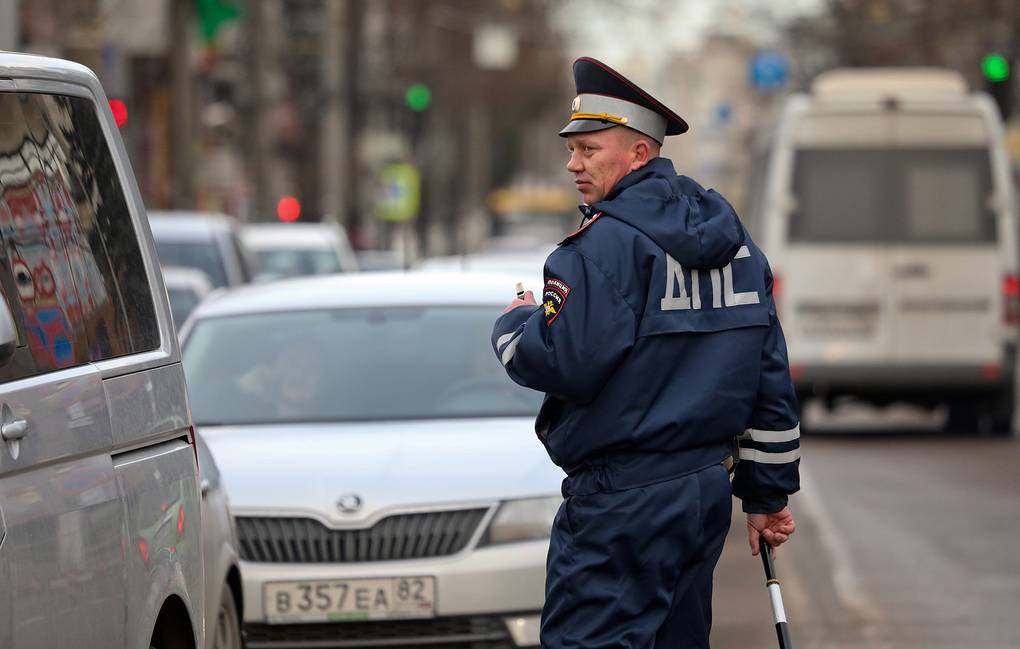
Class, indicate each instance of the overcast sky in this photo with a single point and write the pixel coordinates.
(623, 31)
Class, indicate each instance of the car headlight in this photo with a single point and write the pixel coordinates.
(529, 519)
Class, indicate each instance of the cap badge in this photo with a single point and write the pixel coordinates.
(576, 105)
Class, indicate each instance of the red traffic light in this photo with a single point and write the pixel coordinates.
(288, 209)
(120, 112)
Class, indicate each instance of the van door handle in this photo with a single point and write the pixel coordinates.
(14, 430)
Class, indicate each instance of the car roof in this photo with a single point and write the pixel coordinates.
(188, 226)
(179, 277)
(366, 289)
(15, 65)
(303, 235)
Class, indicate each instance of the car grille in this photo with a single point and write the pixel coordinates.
(476, 632)
(403, 536)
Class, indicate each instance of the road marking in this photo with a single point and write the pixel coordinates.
(844, 576)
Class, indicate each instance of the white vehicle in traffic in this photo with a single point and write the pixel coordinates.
(299, 249)
(889, 217)
(383, 471)
(185, 287)
(206, 241)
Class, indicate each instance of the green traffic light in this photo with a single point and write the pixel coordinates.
(418, 97)
(995, 67)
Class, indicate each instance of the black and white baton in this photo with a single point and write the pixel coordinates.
(772, 583)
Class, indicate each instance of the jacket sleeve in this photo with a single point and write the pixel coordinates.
(769, 449)
(570, 345)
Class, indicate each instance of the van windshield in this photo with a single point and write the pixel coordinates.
(892, 196)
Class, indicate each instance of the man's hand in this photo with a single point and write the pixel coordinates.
(529, 299)
(775, 527)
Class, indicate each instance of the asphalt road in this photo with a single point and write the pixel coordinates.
(903, 541)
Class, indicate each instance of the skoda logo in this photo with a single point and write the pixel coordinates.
(349, 504)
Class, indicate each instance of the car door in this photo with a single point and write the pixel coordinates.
(62, 555)
(948, 273)
(836, 261)
(133, 348)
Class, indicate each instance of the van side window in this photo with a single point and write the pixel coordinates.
(47, 304)
(68, 241)
(103, 251)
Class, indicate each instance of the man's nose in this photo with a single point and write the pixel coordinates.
(574, 164)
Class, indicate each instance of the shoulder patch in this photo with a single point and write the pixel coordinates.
(580, 229)
(554, 297)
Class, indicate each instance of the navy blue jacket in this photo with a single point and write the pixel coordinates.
(657, 343)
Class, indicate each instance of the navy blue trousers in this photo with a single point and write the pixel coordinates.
(633, 568)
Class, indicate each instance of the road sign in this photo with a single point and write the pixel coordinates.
(768, 71)
(399, 193)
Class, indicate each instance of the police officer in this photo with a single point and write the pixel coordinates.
(657, 344)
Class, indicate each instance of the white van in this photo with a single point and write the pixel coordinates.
(100, 533)
(888, 215)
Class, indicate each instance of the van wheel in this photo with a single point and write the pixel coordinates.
(227, 633)
(981, 416)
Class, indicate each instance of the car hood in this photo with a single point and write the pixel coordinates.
(306, 468)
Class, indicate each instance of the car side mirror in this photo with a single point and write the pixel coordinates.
(8, 334)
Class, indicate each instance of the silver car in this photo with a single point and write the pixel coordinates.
(223, 594)
(299, 249)
(100, 534)
(185, 287)
(206, 241)
(383, 472)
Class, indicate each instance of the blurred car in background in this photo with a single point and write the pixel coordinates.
(889, 218)
(185, 287)
(223, 593)
(206, 241)
(383, 471)
(527, 263)
(378, 260)
(527, 216)
(299, 249)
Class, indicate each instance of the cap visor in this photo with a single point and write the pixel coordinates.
(585, 126)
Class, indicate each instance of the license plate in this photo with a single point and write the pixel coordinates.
(349, 600)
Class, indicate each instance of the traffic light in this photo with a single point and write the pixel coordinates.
(998, 81)
(120, 112)
(288, 209)
(418, 97)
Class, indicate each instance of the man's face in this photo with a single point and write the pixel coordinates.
(599, 160)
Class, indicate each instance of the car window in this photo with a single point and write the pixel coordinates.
(350, 364)
(892, 196)
(203, 255)
(182, 302)
(69, 244)
(103, 247)
(293, 262)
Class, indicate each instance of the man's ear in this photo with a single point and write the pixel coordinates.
(642, 153)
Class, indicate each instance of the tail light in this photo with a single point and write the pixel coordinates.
(180, 521)
(1011, 299)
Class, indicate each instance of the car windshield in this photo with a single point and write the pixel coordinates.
(892, 196)
(351, 364)
(294, 262)
(204, 256)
